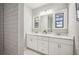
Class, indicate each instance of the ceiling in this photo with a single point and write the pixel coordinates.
(35, 5)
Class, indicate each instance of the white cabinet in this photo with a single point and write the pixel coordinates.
(50, 45)
(43, 45)
(57, 47)
(35, 43)
(53, 48)
(60, 49)
(66, 49)
(29, 41)
(32, 42)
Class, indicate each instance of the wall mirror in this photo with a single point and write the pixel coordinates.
(43, 23)
(61, 22)
(46, 23)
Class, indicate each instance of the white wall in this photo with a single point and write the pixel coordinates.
(74, 26)
(72, 19)
(27, 19)
(21, 29)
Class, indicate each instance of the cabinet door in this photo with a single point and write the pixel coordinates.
(53, 48)
(34, 42)
(29, 41)
(66, 49)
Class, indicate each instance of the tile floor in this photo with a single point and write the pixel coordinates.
(30, 52)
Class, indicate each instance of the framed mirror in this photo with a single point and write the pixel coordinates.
(43, 23)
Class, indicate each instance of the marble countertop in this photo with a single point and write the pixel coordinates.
(54, 36)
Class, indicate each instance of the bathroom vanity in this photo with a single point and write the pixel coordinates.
(44, 26)
(50, 44)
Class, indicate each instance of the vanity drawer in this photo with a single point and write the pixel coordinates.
(43, 46)
(51, 39)
(43, 38)
(45, 51)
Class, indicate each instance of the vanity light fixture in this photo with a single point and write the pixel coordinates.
(46, 12)
(42, 13)
(49, 11)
